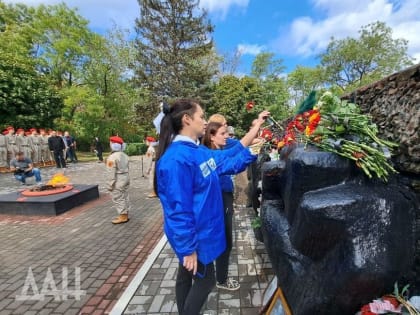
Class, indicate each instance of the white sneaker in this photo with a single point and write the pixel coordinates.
(230, 284)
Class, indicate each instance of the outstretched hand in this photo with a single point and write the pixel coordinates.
(262, 117)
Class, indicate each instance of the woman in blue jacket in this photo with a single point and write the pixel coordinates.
(216, 138)
(187, 183)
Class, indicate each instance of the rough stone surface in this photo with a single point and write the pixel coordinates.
(335, 239)
(394, 104)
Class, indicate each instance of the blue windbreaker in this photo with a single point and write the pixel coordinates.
(189, 190)
(226, 181)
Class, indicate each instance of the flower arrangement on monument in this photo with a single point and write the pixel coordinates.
(269, 135)
(339, 126)
(396, 303)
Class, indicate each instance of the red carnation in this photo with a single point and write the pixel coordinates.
(267, 134)
(391, 300)
(249, 105)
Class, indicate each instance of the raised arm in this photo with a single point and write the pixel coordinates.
(253, 131)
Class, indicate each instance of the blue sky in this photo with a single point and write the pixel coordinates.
(295, 31)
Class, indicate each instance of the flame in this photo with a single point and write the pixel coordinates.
(58, 180)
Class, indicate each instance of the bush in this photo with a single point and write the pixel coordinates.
(136, 149)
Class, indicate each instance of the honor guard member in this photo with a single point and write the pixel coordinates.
(12, 148)
(23, 142)
(118, 179)
(45, 151)
(151, 158)
(3, 151)
(36, 146)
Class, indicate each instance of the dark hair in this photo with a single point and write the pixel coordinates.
(211, 130)
(171, 125)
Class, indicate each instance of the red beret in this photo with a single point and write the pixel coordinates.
(150, 139)
(116, 139)
(5, 132)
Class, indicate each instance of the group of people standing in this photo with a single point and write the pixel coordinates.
(194, 164)
(40, 147)
(193, 167)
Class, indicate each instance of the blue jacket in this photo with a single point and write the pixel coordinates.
(189, 190)
(226, 181)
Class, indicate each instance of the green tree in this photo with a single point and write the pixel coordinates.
(265, 66)
(229, 63)
(27, 99)
(274, 95)
(61, 43)
(104, 101)
(230, 95)
(175, 55)
(302, 80)
(353, 62)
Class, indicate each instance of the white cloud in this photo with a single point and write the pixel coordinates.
(222, 6)
(247, 49)
(308, 37)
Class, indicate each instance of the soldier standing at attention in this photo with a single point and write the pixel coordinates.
(36, 146)
(3, 151)
(45, 152)
(23, 142)
(151, 157)
(12, 148)
(118, 179)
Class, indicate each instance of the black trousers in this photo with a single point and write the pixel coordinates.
(222, 262)
(59, 158)
(192, 291)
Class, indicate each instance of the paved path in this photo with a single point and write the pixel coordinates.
(46, 261)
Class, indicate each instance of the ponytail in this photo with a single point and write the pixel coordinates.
(171, 125)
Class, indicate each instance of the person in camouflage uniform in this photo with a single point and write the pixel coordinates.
(36, 146)
(12, 148)
(46, 157)
(3, 151)
(118, 179)
(23, 142)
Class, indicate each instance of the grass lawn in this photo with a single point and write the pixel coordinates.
(89, 156)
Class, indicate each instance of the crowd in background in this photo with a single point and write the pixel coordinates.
(42, 147)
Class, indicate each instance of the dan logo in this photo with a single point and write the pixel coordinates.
(49, 288)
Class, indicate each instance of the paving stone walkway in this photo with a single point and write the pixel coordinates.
(79, 263)
(249, 264)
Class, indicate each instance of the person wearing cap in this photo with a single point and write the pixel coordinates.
(118, 178)
(3, 151)
(22, 142)
(151, 157)
(35, 145)
(57, 147)
(45, 152)
(22, 167)
(12, 148)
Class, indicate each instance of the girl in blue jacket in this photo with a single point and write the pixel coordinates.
(216, 138)
(187, 183)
